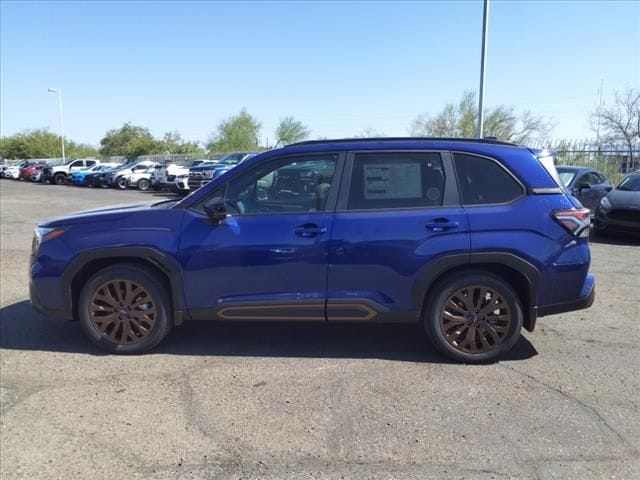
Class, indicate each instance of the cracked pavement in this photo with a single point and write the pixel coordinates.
(311, 401)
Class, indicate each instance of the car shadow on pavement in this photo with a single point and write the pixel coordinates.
(614, 238)
(21, 328)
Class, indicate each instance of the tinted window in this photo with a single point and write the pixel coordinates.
(483, 181)
(291, 185)
(91, 163)
(396, 180)
(77, 163)
(590, 178)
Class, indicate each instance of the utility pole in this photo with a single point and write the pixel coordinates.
(599, 112)
(59, 92)
(483, 61)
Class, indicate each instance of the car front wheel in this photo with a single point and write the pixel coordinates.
(60, 179)
(473, 317)
(143, 184)
(126, 309)
(121, 183)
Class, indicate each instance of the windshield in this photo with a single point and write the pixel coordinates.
(630, 184)
(231, 159)
(566, 176)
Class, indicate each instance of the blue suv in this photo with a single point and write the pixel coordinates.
(471, 239)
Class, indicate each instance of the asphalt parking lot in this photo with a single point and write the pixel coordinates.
(311, 401)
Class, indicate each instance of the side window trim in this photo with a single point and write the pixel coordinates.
(330, 205)
(451, 197)
(523, 189)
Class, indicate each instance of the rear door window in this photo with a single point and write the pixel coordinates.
(483, 181)
(396, 180)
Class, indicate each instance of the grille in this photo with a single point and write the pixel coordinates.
(625, 215)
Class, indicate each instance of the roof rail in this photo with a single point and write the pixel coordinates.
(489, 140)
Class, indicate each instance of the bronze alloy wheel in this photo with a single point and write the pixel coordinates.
(122, 311)
(475, 319)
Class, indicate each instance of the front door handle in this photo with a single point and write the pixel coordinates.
(309, 230)
(441, 224)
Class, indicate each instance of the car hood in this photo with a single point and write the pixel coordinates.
(96, 215)
(624, 199)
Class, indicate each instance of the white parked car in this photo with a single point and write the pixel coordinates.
(139, 178)
(12, 171)
(163, 176)
(119, 178)
(59, 174)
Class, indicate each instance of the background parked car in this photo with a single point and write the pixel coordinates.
(80, 178)
(139, 178)
(117, 178)
(619, 211)
(59, 174)
(164, 175)
(29, 169)
(13, 171)
(204, 173)
(586, 184)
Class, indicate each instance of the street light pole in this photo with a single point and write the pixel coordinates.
(59, 92)
(483, 60)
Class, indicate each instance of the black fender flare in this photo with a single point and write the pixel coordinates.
(431, 272)
(159, 259)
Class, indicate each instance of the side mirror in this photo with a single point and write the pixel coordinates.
(216, 210)
(608, 189)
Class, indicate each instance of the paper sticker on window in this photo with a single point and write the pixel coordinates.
(392, 180)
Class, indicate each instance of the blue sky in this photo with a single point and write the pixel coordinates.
(339, 67)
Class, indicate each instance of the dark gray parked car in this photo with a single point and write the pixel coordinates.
(619, 211)
(586, 184)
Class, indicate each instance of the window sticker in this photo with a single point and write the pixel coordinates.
(392, 180)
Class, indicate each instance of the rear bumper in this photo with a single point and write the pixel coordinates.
(587, 296)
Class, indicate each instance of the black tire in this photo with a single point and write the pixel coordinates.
(120, 183)
(144, 278)
(144, 184)
(60, 179)
(448, 288)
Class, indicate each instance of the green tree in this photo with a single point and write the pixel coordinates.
(41, 143)
(130, 141)
(239, 132)
(173, 143)
(290, 130)
(502, 122)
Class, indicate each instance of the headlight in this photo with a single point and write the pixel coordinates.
(208, 174)
(42, 234)
(605, 204)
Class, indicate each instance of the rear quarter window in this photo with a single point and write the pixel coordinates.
(483, 181)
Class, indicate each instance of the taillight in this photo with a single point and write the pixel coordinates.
(166, 172)
(574, 221)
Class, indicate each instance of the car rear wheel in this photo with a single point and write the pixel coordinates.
(473, 317)
(60, 179)
(143, 184)
(125, 309)
(121, 183)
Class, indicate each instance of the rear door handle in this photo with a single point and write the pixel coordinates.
(309, 230)
(441, 224)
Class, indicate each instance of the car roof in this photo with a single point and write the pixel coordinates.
(574, 168)
(486, 140)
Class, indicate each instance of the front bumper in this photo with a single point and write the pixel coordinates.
(603, 222)
(585, 300)
(37, 305)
